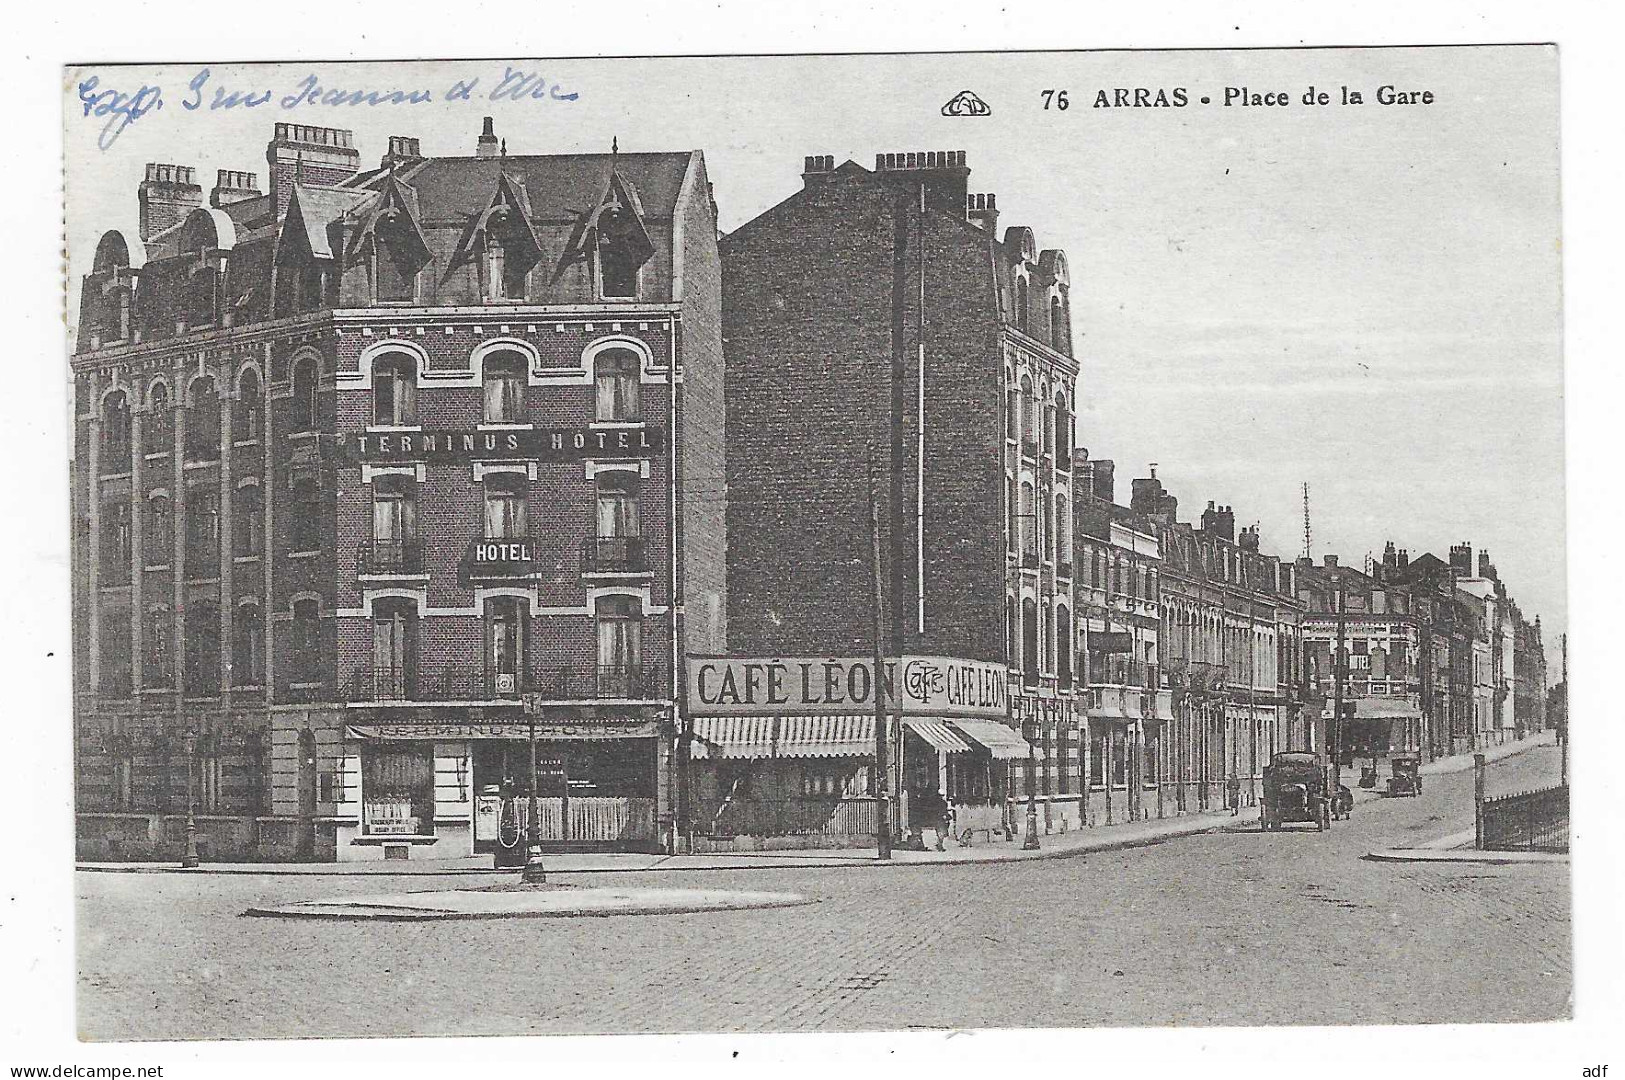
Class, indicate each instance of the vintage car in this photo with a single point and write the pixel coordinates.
(1294, 790)
(1406, 775)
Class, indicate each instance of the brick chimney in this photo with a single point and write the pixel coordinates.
(1248, 541)
(1404, 558)
(1103, 479)
(816, 169)
(1461, 559)
(1486, 569)
(313, 156)
(167, 194)
(231, 186)
(1331, 561)
(486, 146)
(402, 148)
(983, 212)
(1219, 521)
(944, 173)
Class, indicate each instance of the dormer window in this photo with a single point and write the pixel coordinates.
(395, 270)
(617, 270)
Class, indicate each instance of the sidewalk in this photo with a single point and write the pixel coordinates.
(1054, 846)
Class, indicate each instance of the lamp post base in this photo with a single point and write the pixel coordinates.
(189, 859)
(1030, 842)
(533, 872)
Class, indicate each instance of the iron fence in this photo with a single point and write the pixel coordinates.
(1527, 821)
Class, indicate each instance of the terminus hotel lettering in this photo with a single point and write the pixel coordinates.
(939, 684)
(555, 444)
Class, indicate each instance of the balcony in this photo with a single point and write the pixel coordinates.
(613, 555)
(390, 557)
(368, 685)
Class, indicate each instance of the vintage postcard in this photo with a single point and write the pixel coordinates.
(1043, 539)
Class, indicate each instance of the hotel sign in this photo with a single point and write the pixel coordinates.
(529, 444)
(914, 685)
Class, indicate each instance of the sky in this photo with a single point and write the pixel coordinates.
(1362, 298)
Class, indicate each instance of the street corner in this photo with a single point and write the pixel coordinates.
(1463, 855)
(509, 902)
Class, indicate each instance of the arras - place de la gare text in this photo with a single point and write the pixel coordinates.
(1177, 97)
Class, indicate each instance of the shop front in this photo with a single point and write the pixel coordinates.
(776, 765)
(432, 789)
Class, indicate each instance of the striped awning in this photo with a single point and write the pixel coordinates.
(996, 738)
(761, 737)
(937, 733)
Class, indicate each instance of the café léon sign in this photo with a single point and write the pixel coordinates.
(529, 444)
(934, 685)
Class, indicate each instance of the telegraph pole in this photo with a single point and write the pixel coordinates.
(882, 803)
(1334, 733)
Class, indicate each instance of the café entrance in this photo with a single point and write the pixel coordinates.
(592, 795)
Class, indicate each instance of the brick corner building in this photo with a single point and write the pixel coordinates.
(364, 457)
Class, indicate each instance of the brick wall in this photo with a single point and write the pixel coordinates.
(820, 317)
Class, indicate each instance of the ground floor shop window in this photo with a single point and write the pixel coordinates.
(1119, 758)
(397, 791)
(1097, 760)
(1150, 765)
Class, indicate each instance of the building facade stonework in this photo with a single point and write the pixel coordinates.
(375, 466)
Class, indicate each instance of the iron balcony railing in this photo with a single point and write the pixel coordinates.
(369, 684)
(390, 557)
(613, 555)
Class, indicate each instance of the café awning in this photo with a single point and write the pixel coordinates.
(937, 733)
(767, 737)
(997, 739)
(1385, 708)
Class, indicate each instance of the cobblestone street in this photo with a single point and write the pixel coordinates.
(1230, 927)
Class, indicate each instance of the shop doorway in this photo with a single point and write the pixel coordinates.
(590, 795)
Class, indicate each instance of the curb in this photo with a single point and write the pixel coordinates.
(1470, 857)
(341, 911)
(1224, 822)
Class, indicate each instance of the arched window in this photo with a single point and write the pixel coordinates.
(1049, 428)
(1057, 326)
(1063, 536)
(1029, 419)
(617, 504)
(116, 531)
(1063, 647)
(1021, 302)
(158, 431)
(394, 390)
(157, 640)
(115, 448)
(116, 662)
(504, 376)
(305, 529)
(1012, 414)
(615, 371)
(505, 646)
(248, 646)
(159, 541)
(1028, 526)
(505, 510)
(306, 641)
(620, 650)
(203, 421)
(1013, 510)
(1063, 433)
(202, 531)
(201, 298)
(248, 522)
(1010, 631)
(304, 413)
(1029, 641)
(394, 526)
(248, 412)
(394, 649)
(202, 641)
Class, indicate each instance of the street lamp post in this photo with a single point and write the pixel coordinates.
(1030, 841)
(1334, 734)
(533, 873)
(189, 859)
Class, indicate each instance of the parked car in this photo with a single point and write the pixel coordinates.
(1294, 790)
(1406, 775)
